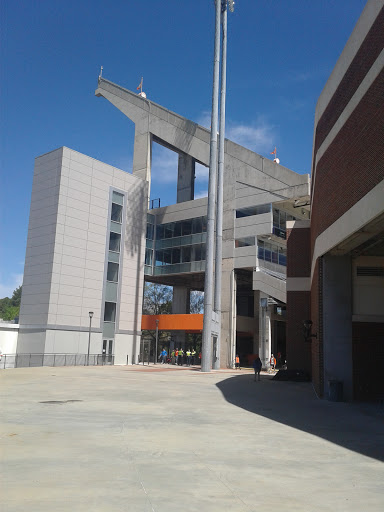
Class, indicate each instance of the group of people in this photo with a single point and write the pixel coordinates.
(179, 357)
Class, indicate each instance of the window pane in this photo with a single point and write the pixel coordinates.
(150, 231)
(177, 229)
(253, 210)
(186, 254)
(275, 256)
(186, 227)
(114, 242)
(160, 232)
(167, 257)
(117, 212)
(175, 256)
(197, 253)
(245, 242)
(204, 224)
(168, 230)
(113, 272)
(110, 312)
(197, 225)
(148, 256)
(117, 198)
(260, 253)
(159, 258)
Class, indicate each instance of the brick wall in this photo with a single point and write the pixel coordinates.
(298, 252)
(359, 67)
(353, 163)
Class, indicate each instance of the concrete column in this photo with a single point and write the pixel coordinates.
(142, 156)
(180, 306)
(228, 314)
(185, 178)
(256, 313)
(337, 322)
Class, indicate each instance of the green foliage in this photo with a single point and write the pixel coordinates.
(9, 308)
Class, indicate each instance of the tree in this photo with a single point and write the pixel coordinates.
(157, 301)
(10, 308)
(197, 302)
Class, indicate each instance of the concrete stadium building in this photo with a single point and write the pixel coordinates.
(92, 242)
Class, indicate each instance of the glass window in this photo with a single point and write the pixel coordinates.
(267, 252)
(168, 230)
(245, 242)
(186, 227)
(110, 312)
(148, 256)
(116, 212)
(159, 258)
(176, 256)
(186, 254)
(167, 257)
(253, 210)
(114, 242)
(150, 231)
(113, 272)
(204, 224)
(197, 225)
(275, 256)
(117, 198)
(276, 220)
(177, 229)
(160, 231)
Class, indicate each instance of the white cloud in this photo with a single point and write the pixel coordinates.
(202, 193)
(201, 172)
(164, 165)
(9, 285)
(258, 136)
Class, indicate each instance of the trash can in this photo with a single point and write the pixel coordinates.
(335, 390)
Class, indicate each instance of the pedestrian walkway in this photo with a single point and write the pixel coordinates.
(137, 439)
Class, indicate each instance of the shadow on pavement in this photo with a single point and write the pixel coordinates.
(357, 427)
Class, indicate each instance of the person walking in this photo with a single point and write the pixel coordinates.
(257, 367)
(173, 357)
(188, 357)
(181, 357)
(176, 356)
(272, 362)
(193, 355)
(237, 362)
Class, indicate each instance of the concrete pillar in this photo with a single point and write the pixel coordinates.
(337, 322)
(264, 320)
(180, 306)
(142, 156)
(228, 314)
(256, 313)
(185, 178)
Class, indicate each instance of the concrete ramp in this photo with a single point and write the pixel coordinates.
(270, 284)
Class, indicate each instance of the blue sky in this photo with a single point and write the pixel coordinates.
(280, 55)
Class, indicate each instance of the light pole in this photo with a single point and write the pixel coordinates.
(209, 307)
(89, 335)
(157, 339)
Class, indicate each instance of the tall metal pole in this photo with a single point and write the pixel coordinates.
(89, 335)
(206, 352)
(220, 180)
(157, 340)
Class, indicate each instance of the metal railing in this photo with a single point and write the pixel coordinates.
(29, 360)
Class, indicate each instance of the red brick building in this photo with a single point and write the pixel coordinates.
(335, 261)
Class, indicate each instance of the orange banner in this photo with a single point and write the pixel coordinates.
(172, 322)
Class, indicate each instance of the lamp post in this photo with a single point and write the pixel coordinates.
(157, 339)
(89, 335)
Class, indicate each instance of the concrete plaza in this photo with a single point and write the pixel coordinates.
(170, 439)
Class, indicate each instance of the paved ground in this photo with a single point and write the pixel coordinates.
(130, 439)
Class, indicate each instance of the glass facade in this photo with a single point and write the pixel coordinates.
(280, 219)
(245, 242)
(175, 246)
(271, 252)
(253, 210)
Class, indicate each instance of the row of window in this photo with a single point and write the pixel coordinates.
(176, 255)
(179, 228)
(114, 255)
(253, 210)
(271, 252)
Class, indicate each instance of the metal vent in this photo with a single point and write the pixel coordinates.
(370, 271)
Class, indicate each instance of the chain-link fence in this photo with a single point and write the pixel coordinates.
(28, 360)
